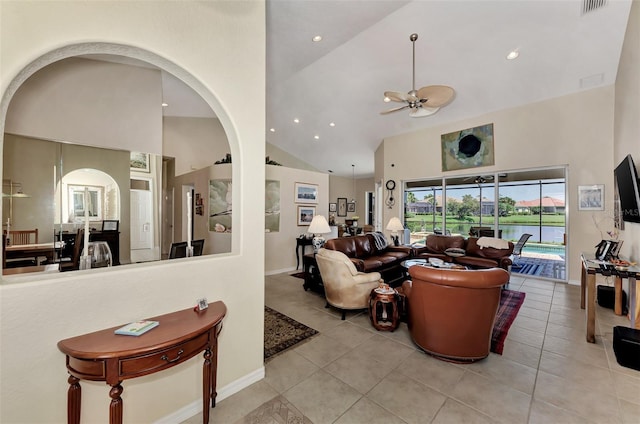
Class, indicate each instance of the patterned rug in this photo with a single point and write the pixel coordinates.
(540, 267)
(281, 332)
(510, 303)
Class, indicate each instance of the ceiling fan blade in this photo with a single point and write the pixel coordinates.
(396, 96)
(395, 109)
(435, 95)
(419, 112)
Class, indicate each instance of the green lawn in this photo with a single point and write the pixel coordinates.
(547, 220)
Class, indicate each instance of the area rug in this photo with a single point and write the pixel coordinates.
(281, 332)
(510, 303)
(540, 267)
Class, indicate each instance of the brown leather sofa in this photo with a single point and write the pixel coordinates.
(366, 257)
(451, 312)
(474, 256)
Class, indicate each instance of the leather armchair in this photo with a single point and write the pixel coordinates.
(452, 312)
(345, 288)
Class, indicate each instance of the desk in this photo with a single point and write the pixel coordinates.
(300, 244)
(105, 356)
(20, 251)
(591, 267)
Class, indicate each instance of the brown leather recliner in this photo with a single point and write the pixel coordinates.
(452, 312)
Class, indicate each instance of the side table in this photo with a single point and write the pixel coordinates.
(383, 309)
(312, 278)
(301, 242)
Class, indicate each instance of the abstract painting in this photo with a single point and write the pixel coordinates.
(468, 148)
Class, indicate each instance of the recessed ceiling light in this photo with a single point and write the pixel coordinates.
(272, 130)
(386, 99)
(317, 137)
(165, 104)
(513, 54)
(296, 120)
(332, 124)
(317, 38)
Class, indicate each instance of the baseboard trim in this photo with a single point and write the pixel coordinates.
(280, 271)
(195, 407)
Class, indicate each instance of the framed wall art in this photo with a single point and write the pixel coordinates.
(306, 214)
(306, 193)
(333, 207)
(468, 148)
(342, 206)
(591, 197)
(139, 161)
(351, 207)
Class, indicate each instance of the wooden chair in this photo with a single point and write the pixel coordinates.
(74, 263)
(17, 237)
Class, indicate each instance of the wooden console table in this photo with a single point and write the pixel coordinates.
(105, 356)
(591, 267)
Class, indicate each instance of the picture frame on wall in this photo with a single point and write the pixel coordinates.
(333, 207)
(306, 214)
(351, 207)
(342, 206)
(591, 197)
(469, 148)
(139, 161)
(306, 193)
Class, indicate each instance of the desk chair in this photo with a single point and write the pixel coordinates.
(178, 250)
(74, 263)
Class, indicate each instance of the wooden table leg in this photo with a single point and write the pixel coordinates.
(634, 305)
(583, 282)
(206, 385)
(74, 400)
(591, 307)
(617, 284)
(115, 408)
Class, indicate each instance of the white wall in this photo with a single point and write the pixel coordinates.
(228, 71)
(627, 112)
(574, 130)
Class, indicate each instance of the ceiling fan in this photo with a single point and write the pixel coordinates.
(423, 102)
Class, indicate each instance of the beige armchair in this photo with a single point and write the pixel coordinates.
(345, 288)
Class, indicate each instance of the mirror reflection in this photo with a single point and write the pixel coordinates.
(107, 160)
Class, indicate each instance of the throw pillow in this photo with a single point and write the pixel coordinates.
(454, 252)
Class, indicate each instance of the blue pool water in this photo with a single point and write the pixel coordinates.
(544, 248)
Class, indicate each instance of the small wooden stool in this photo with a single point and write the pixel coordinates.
(383, 309)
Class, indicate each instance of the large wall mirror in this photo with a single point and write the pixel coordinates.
(100, 139)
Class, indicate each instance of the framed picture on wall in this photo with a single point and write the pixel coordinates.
(306, 214)
(306, 193)
(342, 206)
(591, 197)
(139, 161)
(333, 207)
(351, 207)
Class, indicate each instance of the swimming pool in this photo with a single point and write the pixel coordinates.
(550, 249)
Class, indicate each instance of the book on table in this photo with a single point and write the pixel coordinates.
(137, 328)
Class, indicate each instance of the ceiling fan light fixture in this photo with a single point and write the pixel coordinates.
(513, 54)
(386, 99)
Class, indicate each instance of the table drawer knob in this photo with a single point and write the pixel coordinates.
(177, 358)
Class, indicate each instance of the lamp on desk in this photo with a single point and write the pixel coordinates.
(318, 226)
(394, 226)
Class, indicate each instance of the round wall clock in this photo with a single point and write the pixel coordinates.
(391, 185)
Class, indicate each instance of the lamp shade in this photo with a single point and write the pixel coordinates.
(319, 225)
(395, 224)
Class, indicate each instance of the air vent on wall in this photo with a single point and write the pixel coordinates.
(591, 5)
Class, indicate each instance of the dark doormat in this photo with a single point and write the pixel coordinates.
(281, 332)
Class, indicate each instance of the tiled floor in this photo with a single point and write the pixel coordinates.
(351, 374)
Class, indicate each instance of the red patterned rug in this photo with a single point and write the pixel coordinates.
(510, 303)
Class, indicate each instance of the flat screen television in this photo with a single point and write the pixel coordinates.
(627, 182)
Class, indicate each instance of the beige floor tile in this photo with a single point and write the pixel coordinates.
(359, 370)
(539, 297)
(506, 372)
(536, 290)
(576, 398)
(432, 372)
(322, 350)
(627, 385)
(522, 353)
(322, 397)
(533, 313)
(586, 374)
(576, 335)
(545, 413)
(576, 320)
(522, 335)
(288, 369)
(240, 404)
(498, 401)
(453, 412)
(406, 398)
(590, 353)
(630, 412)
(367, 412)
(530, 303)
(385, 350)
(530, 324)
(400, 335)
(349, 334)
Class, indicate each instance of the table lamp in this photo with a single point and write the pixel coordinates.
(318, 226)
(394, 226)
